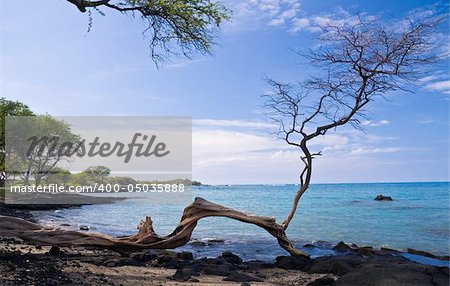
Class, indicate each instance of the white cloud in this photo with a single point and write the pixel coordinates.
(428, 78)
(427, 121)
(330, 140)
(300, 24)
(225, 153)
(285, 155)
(185, 63)
(375, 123)
(314, 23)
(438, 82)
(232, 123)
(375, 150)
(253, 13)
(440, 86)
(224, 142)
(286, 15)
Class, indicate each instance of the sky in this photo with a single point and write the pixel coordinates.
(49, 61)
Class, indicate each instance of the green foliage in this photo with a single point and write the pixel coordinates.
(58, 176)
(123, 181)
(189, 24)
(174, 181)
(98, 173)
(81, 179)
(37, 163)
(98, 170)
(174, 26)
(9, 108)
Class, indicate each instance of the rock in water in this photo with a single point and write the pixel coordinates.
(84, 227)
(197, 243)
(341, 247)
(426, 254)
(382, 198)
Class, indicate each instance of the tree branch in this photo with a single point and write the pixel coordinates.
(146, 238)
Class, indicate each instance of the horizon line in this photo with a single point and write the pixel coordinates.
(339, 183)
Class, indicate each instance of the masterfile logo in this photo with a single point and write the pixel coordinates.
(77, 154)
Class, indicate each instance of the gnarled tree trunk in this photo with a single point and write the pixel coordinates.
(146, 238)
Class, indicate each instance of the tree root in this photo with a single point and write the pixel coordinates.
(146, 238)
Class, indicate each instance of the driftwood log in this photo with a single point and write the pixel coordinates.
(146, 238)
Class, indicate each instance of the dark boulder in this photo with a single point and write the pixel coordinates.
(218, 269)
(293, 263)
(123, 261)
(337, 265)
(395, 273)
(388, 250)
(170, 260)
(84, 227)
(231, 257)
(144, 256)
(180, 276)
(176, 264)
(54, 251)
(241, 277)
(216, 240)
(426, 254)
(382, 198)
(323, 281)
(185, 255)
(367, 251)
(255, 265)
(341, 247)
(197, 243)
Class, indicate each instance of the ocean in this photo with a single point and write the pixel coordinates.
(418, 217)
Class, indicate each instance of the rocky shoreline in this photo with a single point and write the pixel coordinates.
(23, 264)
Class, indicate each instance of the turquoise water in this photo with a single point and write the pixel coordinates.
(418, 217)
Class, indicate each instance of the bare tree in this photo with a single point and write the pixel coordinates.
(356, 64)
(361, 62)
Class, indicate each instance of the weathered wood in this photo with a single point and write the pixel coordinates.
(146, 238)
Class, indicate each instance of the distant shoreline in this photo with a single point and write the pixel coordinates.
(315, 184)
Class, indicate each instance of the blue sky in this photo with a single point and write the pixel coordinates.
(50, 62)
